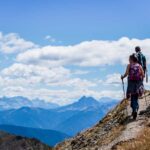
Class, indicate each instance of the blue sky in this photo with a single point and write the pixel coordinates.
(77, 20)
(83, 43)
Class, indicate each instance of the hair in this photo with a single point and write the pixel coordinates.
(133, 57)
(137, 49)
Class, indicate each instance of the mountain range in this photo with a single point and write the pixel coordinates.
(19, 101)
(69, 119)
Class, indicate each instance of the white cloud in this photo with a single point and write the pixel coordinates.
(36, 72)
(36, 77)
(13, 43)
(42, 71)
(24, 80)
(50, 38)
(89, 53)
(113, 79)
(50, 76)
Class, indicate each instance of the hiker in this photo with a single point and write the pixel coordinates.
(141, 58)
(135, 87)
(142, 61)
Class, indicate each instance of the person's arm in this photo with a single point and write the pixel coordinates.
(126, 73)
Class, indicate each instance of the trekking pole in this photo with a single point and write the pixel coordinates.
(123, 87)
(145, 99)
(146, 76)
(146, 82)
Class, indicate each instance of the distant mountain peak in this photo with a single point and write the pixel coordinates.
(82, 104)
(87, 97)
(87, 100)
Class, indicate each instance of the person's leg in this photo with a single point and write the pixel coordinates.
(133, 102)
(137, 102)
(134, 105)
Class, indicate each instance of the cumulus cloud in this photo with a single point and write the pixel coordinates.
(29, 71)
(52, 84)
(35, 76)
(13, 43)
(43, 71)
(89, 53)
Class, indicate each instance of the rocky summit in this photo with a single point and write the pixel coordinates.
(12, 142)
(116, 131)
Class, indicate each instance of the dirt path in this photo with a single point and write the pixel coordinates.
(132, 127)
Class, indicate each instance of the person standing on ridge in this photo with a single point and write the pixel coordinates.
(141, 58)
(135, 86)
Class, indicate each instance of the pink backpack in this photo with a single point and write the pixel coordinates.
(134, 72)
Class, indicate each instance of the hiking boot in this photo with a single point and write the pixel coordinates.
(134, 114)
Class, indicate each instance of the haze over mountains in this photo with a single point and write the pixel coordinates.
(19, 101)
(66, 120)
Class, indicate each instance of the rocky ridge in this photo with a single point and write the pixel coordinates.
(115, 128)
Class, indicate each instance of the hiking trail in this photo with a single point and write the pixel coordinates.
(133, 128)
